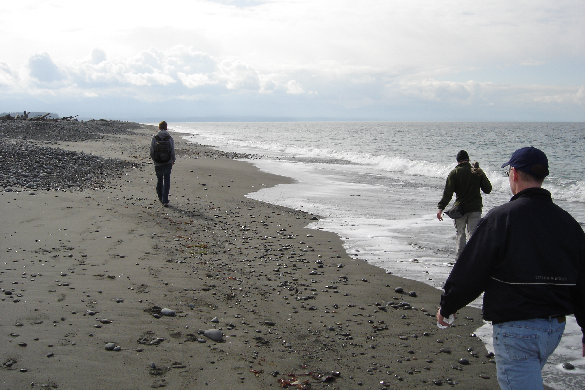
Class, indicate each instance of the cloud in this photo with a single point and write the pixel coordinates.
(240, 3)
(580, 96)
(195, 80)
(97, 56)
(372, 57)
(491, 94)
(149, 79)
(184, 74)
(294, 88)
(560, 96)
(7, 78)
(237, 75)
(44, 70)
(444, 91)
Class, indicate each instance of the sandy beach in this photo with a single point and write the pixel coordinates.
(103, 288)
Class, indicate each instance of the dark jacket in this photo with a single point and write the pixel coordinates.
(528, 256)
(162, 134)
(465, 183)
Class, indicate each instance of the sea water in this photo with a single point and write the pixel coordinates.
(377, 185)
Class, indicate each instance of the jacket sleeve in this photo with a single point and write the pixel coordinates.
(485, 185)
(447, 192)
(471, 272)
(579, 292)
(152, 148)
(172, 150)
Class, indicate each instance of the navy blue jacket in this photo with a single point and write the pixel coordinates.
(528, 257)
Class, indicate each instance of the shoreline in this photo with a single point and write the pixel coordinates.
(86, 268)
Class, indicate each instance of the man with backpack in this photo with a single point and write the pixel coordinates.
(162, 152)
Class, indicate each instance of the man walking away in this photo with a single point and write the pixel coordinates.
(466, 183)
(528, 257)
(162, 153)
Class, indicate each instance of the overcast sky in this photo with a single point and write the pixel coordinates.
(397, 60)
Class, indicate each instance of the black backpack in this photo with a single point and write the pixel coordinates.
(162, 149)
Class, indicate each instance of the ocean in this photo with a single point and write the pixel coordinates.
(377, 185)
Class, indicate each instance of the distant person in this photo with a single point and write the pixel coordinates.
(162, 152)
(528, 256)
(465, 181)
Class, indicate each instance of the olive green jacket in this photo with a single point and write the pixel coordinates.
(465, 182)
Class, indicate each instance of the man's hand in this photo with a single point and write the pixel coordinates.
(440, 215)
(441, 321)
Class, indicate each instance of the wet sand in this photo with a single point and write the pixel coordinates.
(106, 289)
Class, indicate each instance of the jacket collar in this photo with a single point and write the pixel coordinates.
(534, 192)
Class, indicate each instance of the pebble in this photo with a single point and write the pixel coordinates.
(213, 334)
(218, 336)
(66, 169)
(110, 347)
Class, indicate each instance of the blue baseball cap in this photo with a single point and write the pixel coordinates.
(530, 160)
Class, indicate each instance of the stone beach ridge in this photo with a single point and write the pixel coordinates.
(101, 287)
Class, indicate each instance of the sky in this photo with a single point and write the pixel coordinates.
(391, 60)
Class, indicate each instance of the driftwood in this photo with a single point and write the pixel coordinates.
(40, 118)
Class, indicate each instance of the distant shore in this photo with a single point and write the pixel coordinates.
(90, 259)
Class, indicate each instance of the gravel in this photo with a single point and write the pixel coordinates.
(28, 165)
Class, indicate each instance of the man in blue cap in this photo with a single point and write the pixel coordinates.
(528, 257)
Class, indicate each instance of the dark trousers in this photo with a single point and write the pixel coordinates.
(163, 183)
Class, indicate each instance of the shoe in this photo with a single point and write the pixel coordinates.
(166, 204)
